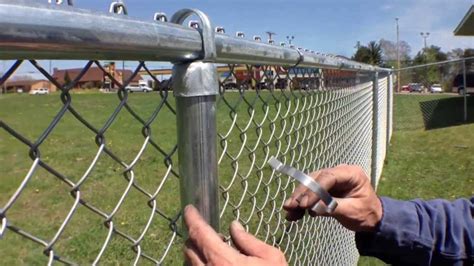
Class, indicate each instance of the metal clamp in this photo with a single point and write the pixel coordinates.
(118, 8)
(160, 16)
(307, 181)
(300, 59)
(209, 52)
(59, 2)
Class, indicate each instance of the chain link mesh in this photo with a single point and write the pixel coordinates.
(382, 125)
(92, 178)
(309, 118)
(117, 191)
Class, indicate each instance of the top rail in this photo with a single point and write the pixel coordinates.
(436, 63)
(32, 30)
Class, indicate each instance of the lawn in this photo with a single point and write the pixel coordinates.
(251, 194)
(437, 162)
(420, 163)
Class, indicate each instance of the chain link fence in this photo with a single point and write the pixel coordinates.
(447, 79)
(96, 177)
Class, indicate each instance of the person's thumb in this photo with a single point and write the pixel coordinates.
(249, 244)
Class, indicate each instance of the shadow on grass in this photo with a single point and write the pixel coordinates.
(446, 112)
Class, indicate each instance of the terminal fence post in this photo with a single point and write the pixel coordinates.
(196, 87)
(375, 128)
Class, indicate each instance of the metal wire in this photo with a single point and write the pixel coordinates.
(130, 180)
(310, 118)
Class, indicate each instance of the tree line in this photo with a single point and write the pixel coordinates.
(384, 54)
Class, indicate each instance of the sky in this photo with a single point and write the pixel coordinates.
(328, 26)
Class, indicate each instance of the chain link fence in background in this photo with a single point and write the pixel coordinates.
(96, 177)
(450, 77)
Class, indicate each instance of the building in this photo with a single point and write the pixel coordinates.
(466, 26)
(95, 77)
(27, 85)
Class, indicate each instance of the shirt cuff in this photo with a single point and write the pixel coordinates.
(396, 233)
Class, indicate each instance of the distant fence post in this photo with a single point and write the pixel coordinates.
(375, 128)
(389, 108)
(465, 88)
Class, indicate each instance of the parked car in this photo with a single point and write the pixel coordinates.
(230, 85)
(40, 91)
(458, 84)
(415, 87)
(436, 88)
(406, 88)
(281, 83)
(142, 87)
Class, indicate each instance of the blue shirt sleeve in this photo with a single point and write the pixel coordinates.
(436, 232)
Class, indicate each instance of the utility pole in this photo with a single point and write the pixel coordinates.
(398, 57)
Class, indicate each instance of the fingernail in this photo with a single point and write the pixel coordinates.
(238, 226)
(188, 207)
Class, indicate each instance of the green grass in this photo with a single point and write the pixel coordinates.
(428, 164)
(421, 163)
(71, 147)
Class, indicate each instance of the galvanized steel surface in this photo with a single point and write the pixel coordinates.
(132, 39)
(311, 116)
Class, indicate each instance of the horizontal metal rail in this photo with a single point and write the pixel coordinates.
(436, 63)
(32, 30)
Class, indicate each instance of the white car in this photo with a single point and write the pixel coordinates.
(436, 88)
(40, 91)
(142, 87)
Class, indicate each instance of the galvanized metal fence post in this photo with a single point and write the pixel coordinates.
(389, 109)
(375, 128)
(196, 87)
(465, 88)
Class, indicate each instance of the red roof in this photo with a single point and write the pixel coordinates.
(93, 74)
(27, 82)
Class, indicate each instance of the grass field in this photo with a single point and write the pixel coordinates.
(420, 163)
(433, 163)
(71, 147)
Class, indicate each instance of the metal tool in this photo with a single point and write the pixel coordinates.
(306, 180)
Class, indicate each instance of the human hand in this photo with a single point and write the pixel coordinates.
(205, 247)
(358, 209)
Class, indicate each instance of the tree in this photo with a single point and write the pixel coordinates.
(370, 54)
(375, 53)
(455, 53)
(431, 74)
(389, 52)
(469, 52)
(361, 55)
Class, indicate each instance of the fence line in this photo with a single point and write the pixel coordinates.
(453, 75)
(310, 110)
(132, 39)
